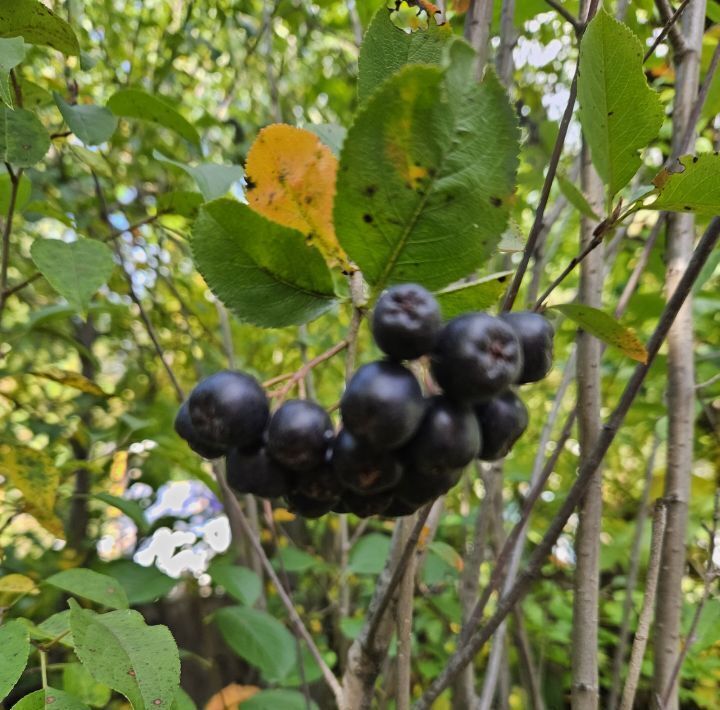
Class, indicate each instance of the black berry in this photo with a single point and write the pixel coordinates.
(382, 405)
(362, 469)
(185, 429)
(257, 473)
(420, 487)
(502, 421)
(536, 338)
(308, 507)
(319, 484)
(299, 435)
(398, 509)
(229, 408)
(448, 438)
(406, 322)
(477, 356)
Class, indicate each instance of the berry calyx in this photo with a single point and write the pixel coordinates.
(406, 322)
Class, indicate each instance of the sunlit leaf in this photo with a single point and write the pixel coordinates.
(619, 113)
(12, 52)
(88, 584)
(693, 188)
(70, 379)
(14, 651)
(23, 138)
(37, 24)
(91, 124)
(291, 180)
(606, 328)
(477, 295)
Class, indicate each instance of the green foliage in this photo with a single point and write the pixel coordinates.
(40, 699)
(37, 24)
(23, 138)
(76, 270)
(90, 585)
(91, 124)
(12, 52)
(240, 583)
(432, 205)
(121, 651)
(14, 650)
(212, 180)
(230, 240)
(259, 638)
(478, 295)
(619, 113)
(695, 188)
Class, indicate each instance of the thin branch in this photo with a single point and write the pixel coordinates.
(299, 374)
(404, 617)
(7, 231)
(676, 36)
(469, 647)
(241, 529)
(632, 575)
(643, 628)
(566, 15)
(711, 574)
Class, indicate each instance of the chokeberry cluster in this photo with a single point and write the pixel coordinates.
(397, 449)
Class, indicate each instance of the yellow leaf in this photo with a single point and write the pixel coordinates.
(231, 697)
(291, 180)
(70, 379)
(35, 475)
(16, 584)
(283, 515)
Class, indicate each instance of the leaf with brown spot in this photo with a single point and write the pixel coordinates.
(606, 328)
(693, 185)
(293, 183)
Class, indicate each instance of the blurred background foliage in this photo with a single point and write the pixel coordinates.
(230, 67)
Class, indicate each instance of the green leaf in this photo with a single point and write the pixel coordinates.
(369, 553)
(695, 189)
(576, 198)
(141, 584)
(619, 113)
(332, 135)
(91, 585)
(183, 701)
(92, 159)
(386, 49)
(76, 270)
(262, 271)
(606, 328)
(41, 208)
(182, 202)
(277, 700)
(133, 103)
(23, 139)
(258, 638)
(213, 180)
(120, 650)
(36, 24)
(91, 124)
(130, 508)
(432, 203)
(23, 193)
(12, 52)
(78, 682)
(294, 560)
(240, 583)
(46, 697)
(14, 651)
(56, 626)
(479, 295)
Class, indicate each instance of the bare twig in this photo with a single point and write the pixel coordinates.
(7, 231)
(632, 575)
(241, 529)
(470, 646)
(676, 36)
(566, 15)
(710, 575)
(404, 618)
(643, 628)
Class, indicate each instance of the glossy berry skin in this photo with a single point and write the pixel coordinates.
(448, 438)
(420, 487)
(406, 322)
(230, 408)
(365, 506)
(257, 473)
(477, 356)
(382, 405)
(299, 435)
(399, 509)
(536, 337)
(362, 469)
(185, 429)
(502, 421)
